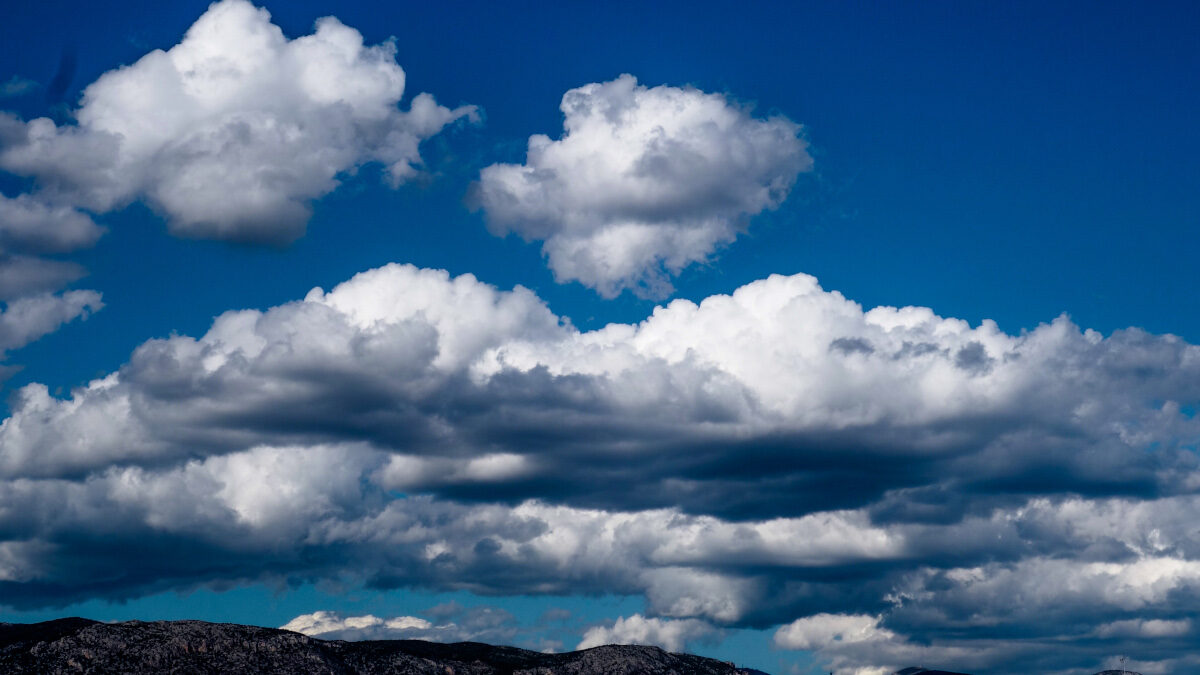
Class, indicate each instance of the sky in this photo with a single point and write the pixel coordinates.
(818, 337)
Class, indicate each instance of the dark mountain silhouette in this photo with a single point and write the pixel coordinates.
(194, 647)
(925, 671)
(1117, 672)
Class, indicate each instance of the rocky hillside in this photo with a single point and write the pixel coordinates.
(135, 647)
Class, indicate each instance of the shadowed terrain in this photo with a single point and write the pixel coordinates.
(77, 645)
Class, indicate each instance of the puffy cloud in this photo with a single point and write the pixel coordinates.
(451, 622)
(232, 132)
(672, 635)
(22, 276)
(334, 626)
(29, 228)
(821, 630)
(469, 386)
(784, 457)
(26, 319)
(28, 225)
(642, 183)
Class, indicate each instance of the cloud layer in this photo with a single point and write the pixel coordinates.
(887, 485)
(642, 183)
(234, 131)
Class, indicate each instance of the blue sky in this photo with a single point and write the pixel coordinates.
(1008, 162)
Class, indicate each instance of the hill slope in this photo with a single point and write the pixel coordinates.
(134, 647)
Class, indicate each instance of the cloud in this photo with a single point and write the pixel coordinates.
(643, 183)
(16, 86)
(333, 626)
(30, 229)
(821, 630)
(785, 458)
(1154, 628)
(24, 320)
(736, 406)
(232, 133)
(31, 226)
(451, 622)
(671, 635)
(22, 276)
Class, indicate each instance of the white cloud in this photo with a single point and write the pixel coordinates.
(1140, 628)
(28, 225)
(407, 471)
(28, 229)
(672, 635)
(822, 630)
(333, 626)
(642, 183)
(455, 623)
(29, 318)
(234, 131)
(22, 276)
(1038, 587)
(458, 379)
(779, 453)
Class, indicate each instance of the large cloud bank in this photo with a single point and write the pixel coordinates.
(883, 486)
(234, 131)
(642, 183)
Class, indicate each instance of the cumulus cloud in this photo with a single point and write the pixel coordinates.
(672, 635)
(24, 320)
(31, 226)
(30, 229)
(461, 382)
(822, 630)
(232, 133)
(334, 626)
(642, 183)
(447, 622)
(891, 486)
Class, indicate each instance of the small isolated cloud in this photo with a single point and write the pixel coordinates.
(672, 635)
(821, 630)
(232, 133)
(334, 626)
(16, 86)
(642, 183)
(454, 623)
(1141, 628)
(29, 231)
(26, 319)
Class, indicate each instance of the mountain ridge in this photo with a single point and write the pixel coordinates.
(78, 645)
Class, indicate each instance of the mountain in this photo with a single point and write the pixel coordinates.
(925, 671)
(134, 647)
(1117, 672)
